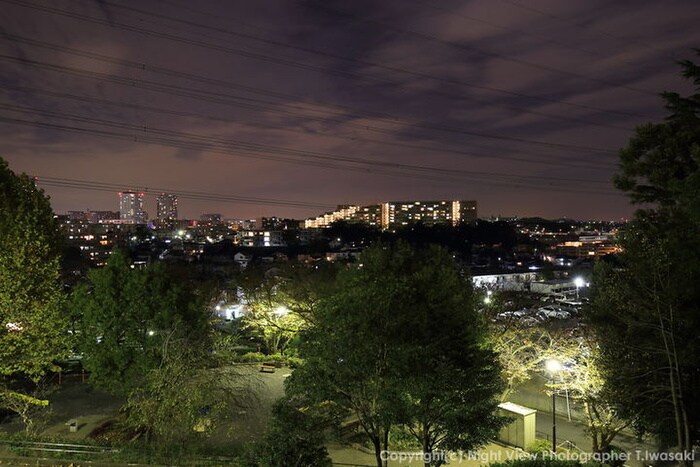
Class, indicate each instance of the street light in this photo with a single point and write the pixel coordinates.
(579, 282)
(553, 367)
(281, 311)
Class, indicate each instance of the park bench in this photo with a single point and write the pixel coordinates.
(267, 368)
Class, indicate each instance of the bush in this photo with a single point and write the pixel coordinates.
(294, 437)
(539, 446)
(618, 460)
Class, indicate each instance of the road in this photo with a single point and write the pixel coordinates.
(570, 425)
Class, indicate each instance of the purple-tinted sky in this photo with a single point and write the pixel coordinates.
(519, 104)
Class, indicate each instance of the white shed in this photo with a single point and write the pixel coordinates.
(521, 431)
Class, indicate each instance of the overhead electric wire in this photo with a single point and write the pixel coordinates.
(438, 7)
(186, 194)
(239, 101)
(266, 92)
(327, 161)
(431, 38)
(277, 149)
(323, 70)
(324, 7)
(584, 26)
(127, 105)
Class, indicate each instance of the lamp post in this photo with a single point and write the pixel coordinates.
(553, 367)
(578, 282)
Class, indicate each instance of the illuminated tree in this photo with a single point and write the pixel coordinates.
(581, 378)
(282, 304)
(521, 351)
(33, 331)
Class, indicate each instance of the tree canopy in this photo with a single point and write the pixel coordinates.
(399, 342)
(33, 331)
(646, 308)
(126, 314)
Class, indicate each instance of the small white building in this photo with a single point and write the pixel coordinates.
(522, 430)
(242, 259)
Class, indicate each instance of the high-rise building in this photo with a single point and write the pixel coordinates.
(166, 207)
(394, 214)
(131, 207)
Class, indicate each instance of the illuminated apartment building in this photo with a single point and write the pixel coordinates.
(131, 207)
(166, 207)
(395, 214)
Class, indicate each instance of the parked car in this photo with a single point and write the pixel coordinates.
(506, 315)
(551, 311)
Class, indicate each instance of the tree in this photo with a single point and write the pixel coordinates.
(126, 315)
(582, 380)
(281, 304)
(32, 326)
(399, 342)
(521, 351)
(295, 438)
(184, 395)
(646, 311)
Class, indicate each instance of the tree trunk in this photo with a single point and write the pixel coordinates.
(687, 443)
(386, 444)
(427, 447)
(592, 426)
(672, 382)
(378, 450)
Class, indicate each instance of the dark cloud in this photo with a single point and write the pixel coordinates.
(501, 95)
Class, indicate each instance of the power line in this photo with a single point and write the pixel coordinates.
(269, 93)
(230, 147)
(431, 38)
(87, 99)
(239, 144)
(445, 11)
(583, 26)
(239, 101)
(383, 25)
(323, 70)
(193, 195)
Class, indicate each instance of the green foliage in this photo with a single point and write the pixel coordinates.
(281, 304)
(127, 314)
(646, 315)
(295, 438)
(646, 310)
(400, 343)
(521, 351)
(660, 163)
(32, 325)
(183, 397)
(539, 446)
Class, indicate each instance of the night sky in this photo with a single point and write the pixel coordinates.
(518, 104)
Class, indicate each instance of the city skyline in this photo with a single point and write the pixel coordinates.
(338, 103)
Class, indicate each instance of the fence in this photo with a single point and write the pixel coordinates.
(67, 376)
